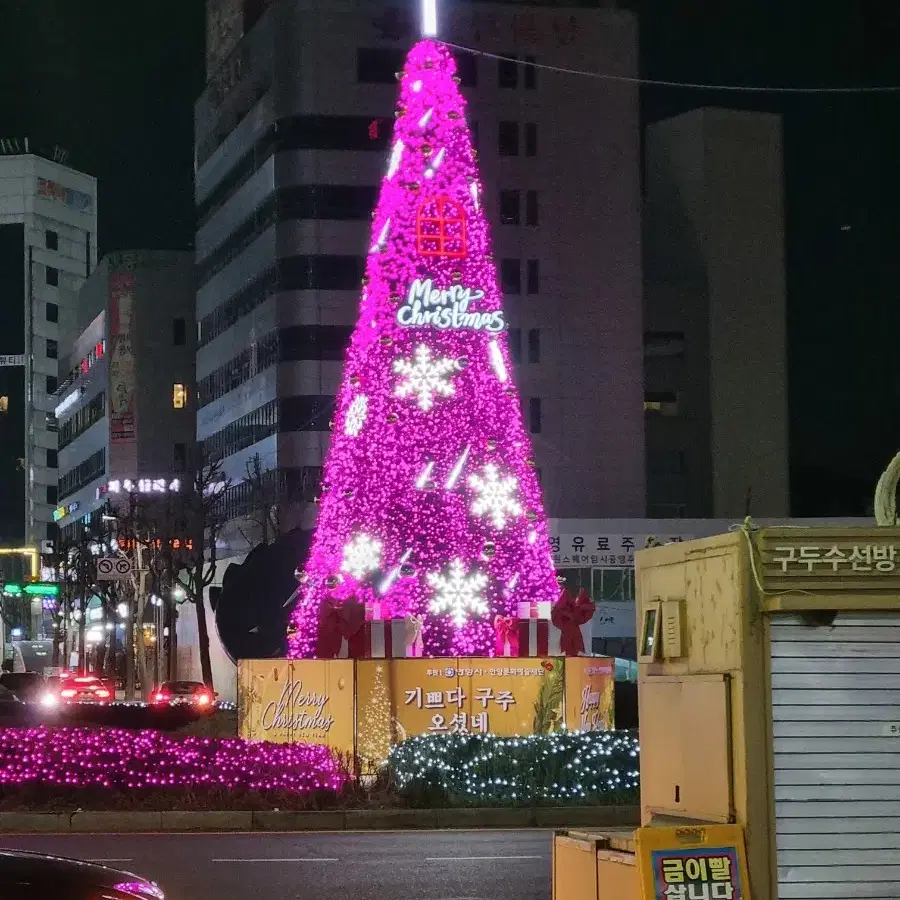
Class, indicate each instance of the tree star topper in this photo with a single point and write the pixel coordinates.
(458, 593)
(495, 496)
(424, 377)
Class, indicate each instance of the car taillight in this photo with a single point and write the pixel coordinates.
(203, 699)
(84, 681)
(161, 697)
(102, 692)
(68, 692)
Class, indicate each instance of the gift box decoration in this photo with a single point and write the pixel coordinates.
(506, 636)
(567, 633)
(534, 609)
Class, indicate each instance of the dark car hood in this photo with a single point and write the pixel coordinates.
(40, 866)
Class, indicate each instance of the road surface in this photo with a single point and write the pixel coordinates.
(418, 865)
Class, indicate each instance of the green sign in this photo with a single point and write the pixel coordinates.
(38, 589)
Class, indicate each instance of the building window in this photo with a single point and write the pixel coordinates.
(51, 240)
(663, 403)
(179, 332)
(378, 65)
(51, 383)
(534, 345)
(508, 72)
(508, 139)
(665, 462)
(4, 403)
(530, 73)
(52, 349)
(52, 312)
(51, 458)
(663, 343)
(510, 276)
(534, 279)
(531, 208)
(530, 139)
(52, 494)
(179, 395)
(179, 458)
(515, 344)
(534, 415)
(52, 275)
(509, 207)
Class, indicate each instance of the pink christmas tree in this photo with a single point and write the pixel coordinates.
(430, 500)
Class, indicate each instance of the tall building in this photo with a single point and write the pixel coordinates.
(715, 331)
(125, 410)
(48, 246)
(292, 133)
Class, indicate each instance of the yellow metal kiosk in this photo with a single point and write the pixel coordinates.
(769, 697)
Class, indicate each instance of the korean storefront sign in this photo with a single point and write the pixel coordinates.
(705, 862)
(603, 551)
(834, 560)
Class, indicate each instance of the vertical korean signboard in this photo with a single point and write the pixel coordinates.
(705, 862)
(122, 384)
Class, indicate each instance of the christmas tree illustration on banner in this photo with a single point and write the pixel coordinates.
(430, 499)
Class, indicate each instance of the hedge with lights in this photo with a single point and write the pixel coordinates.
(558, 768)
(114, 759)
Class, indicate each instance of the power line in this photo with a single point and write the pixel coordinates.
(696, 86)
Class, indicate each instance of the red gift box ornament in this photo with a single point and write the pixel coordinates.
(568, 615)
(506, 636)
(339, 622)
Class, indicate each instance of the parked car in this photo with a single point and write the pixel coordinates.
(184, 693)
(84, 689)
(24, 876)
(10, 705)
(27, 686)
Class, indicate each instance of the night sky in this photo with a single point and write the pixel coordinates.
(114, 82)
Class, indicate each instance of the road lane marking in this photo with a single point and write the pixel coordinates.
(270, 860)
(475, 858)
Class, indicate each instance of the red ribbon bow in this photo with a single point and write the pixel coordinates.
(340, 621)
(568, 614)
(507, 632)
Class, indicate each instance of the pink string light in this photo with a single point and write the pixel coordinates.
(132, 760)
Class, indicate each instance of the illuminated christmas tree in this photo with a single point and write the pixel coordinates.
(376, 727)
(430, 500)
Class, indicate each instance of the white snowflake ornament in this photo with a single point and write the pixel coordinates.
(362, 554)
(356, 415)
(425, 378)
(458, 593)
(495, 496)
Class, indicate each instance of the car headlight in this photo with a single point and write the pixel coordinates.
(49, 701)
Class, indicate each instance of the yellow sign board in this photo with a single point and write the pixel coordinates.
(693, 862)
(366, 706)
(297, 701)
(590, 693)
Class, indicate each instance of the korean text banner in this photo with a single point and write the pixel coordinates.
(303, 701)
(449, 696)
(702, 862)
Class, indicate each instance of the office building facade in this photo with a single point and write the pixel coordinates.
(48, 246)
(715, 316)
(125, 412)
(291, 136)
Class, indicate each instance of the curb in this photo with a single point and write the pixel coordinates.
(332, 820)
